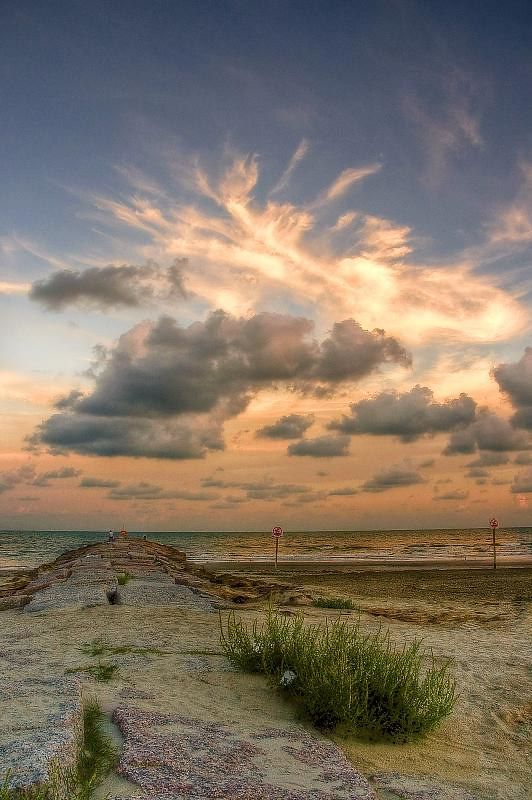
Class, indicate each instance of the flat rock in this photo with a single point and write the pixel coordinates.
(178, 757)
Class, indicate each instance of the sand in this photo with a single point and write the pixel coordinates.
(479, 618)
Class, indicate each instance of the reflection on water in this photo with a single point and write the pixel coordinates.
(29, 548)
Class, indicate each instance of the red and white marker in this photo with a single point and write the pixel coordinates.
(494, 524)
(277, 532)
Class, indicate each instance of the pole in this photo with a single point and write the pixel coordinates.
(494, 556)
(276, 550)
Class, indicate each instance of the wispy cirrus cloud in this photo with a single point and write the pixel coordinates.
(244, 254)
(300, 153)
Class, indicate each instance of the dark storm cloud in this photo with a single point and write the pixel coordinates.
(408, 415)
(459, 494)
(119, 436)
(292, 426)
(392, 478)
(98, 483)
(151, 491)
(515, 380)
(328, 446)
(44, 478)
(488, 432)
(165, 391)
(108, 287)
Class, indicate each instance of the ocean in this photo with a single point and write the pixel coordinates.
(19, 549)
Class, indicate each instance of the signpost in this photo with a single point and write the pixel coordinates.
(494, 524)
(277, 532)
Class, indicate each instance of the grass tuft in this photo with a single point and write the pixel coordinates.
(103, 671)
(334, 602)
(123, 577)
(98, 648)
(96, 757)
(341, 677)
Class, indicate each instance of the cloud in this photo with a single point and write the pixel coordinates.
(392, 478)
(12, 287)
(11, 478)
(449, 126)
(98, 483)
(513, 223)
(409, 415)
(488, 459)
(164, 391)
(246, 252)
(459, 494)
(44, 478)
(110, 287)
(523, 459)
(488, 432)
(342, 491)
(477, 472)
(299, 155)
(292, 426)
(328, 446)
(515, 380)
(344, 181)
(263, 490)
(151, 491)
(522, 483)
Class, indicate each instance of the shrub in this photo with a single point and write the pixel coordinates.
(364, 683)
(334, 602)
(123, 578)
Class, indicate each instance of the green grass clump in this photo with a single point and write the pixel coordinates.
(123, 578)
(340, 677)
(97, 753)
(334, 602)
(96, 757)
(103, 671)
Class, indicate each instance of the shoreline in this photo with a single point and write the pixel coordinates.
(369, 565)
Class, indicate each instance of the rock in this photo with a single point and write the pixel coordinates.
(15, 601)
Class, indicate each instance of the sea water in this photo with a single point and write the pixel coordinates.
(19, 549)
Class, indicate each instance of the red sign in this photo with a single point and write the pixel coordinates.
(277, 531)
(494, 523)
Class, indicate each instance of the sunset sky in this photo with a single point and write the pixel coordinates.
(265, 263)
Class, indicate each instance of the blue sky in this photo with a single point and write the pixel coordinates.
(333, 161)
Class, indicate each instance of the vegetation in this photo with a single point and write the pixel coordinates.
(103, 671)
(98, 648)
(96, 757)
(123, 577)
(340, 677)
(334, 602)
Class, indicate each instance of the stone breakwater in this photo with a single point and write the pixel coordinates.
(157, 575)
(170, 687)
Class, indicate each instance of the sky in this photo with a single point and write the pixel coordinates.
(265, 264)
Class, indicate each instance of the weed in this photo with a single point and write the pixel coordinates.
(364, 683)
(334, 602)
(103, 671)
(123, 577)
(97, 755)
(95, 758)
(98, 648)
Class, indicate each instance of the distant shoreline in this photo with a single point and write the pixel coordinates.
(369, 565)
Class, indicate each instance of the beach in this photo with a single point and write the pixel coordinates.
(479, 618)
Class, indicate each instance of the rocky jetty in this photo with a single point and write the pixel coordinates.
(89, 576)
(186, 723)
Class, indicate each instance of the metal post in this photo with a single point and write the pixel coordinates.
(494, 556)
(276, 550)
